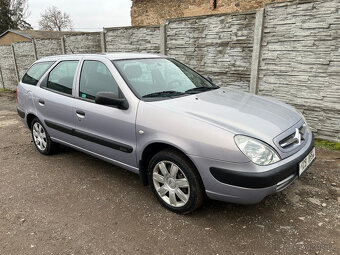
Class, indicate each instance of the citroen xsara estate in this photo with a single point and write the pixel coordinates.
(186, 137)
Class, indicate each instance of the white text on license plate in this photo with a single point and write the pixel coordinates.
(306, 161)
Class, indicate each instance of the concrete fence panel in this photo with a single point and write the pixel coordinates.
(300, 62)
(83, 43)
(133, 39)
(8, 74)
(219, 46)
(24, 55)
(48, 47)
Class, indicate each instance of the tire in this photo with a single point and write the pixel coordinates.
(41, 138)
(179, 191)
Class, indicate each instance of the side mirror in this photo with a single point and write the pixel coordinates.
(111, 99)
(209, 79)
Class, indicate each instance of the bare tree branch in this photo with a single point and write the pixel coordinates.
(54, 19)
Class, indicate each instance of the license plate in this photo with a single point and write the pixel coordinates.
(304, 164)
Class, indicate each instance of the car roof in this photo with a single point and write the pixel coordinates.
(110, 56)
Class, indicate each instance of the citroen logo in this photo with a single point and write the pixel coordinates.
(297, 136)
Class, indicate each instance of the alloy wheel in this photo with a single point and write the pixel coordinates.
(171, 183)
(39, 136)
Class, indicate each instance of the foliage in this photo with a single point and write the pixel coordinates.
(20, 12)
(5, 90)
(327, 144)
(13, 14)
(5, 16)
(54, 19)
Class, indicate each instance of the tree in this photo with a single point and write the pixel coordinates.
(54, 19)
(13, 14)
(5, 17)
(19, 12)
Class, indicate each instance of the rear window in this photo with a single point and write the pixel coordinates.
(34, 74)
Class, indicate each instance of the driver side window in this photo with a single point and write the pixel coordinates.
(95, 77)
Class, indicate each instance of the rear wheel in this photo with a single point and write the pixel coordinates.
(175, 182)
(41, 138)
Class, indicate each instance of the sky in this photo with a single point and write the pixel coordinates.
(86, 15)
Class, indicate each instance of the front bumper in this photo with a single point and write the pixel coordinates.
(247, 183)
(261, 179)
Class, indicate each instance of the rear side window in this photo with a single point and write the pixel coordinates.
(34, 74)
(61, 77)
(96, 77)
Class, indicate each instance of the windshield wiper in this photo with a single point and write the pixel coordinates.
(200, 89)
(164, 93)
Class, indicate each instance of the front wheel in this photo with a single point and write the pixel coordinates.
(175, 182)
(41, 138)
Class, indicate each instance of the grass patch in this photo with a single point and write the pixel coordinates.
(327, 144)
(7, 90)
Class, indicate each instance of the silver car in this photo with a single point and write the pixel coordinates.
(186, 137)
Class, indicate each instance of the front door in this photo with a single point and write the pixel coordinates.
(104, 130)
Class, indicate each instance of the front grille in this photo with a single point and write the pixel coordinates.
(295, 138)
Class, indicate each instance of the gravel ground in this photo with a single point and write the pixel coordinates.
(72, 203)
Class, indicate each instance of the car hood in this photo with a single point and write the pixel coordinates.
(238, 112)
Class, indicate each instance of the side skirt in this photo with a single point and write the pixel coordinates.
(109, 160)
(90, 137)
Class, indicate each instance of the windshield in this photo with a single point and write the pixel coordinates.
(159, 77)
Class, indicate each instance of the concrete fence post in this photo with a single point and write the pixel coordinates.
(2, 79)
(162, 44)
(103, 40)
(34, 49)
(255, 64)
(15, 63)
(62, 41)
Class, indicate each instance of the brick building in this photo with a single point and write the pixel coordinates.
(154, 12)
(15, 35)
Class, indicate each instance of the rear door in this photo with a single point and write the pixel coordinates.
(104, 130)
(28, 86)
(55, 100)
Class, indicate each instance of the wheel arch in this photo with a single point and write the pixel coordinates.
(30, 117)
(149, 151)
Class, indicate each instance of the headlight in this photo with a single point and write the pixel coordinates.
(258, 152)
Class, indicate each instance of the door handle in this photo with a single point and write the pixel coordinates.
(80, 114)
(41, 102)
